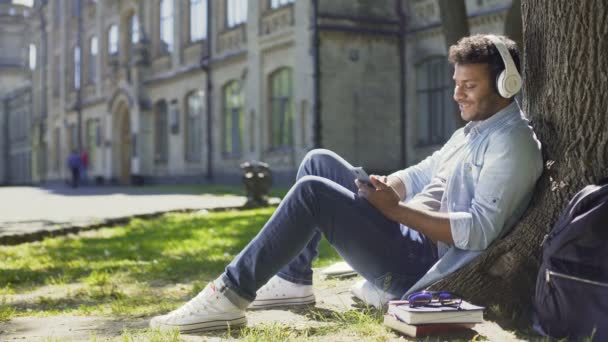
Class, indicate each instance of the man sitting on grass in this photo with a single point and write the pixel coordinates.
(410, 228)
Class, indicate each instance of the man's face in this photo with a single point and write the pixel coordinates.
(473, 92)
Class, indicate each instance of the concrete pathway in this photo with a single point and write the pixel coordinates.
(29, 213)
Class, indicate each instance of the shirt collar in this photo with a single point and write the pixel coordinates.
(499, 119)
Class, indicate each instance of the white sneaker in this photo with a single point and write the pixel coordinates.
(280, 292)
(209, 310)
(370, 294)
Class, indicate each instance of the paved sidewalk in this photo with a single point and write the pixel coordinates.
(30, 213)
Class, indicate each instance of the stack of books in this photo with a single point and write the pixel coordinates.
(431, 320)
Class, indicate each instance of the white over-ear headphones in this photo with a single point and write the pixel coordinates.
(509, 81)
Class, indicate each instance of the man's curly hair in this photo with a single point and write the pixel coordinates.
(479, 49)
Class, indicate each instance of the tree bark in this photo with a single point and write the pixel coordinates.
(565, 96)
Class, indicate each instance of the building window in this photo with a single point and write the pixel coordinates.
(113, 40)
(194, 140)
(161, 151)
(94, 50)
(233, 119)
(236, 12)
(77, 67)
(281, 108)
(134, 29)
(198, 20)
(278, 3)
(166, 25)
(436, 107)
(32, 57)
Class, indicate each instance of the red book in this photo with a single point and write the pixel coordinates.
(423, 329)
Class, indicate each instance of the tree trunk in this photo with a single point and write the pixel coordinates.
(513, 24)
(455, 23)
(565, 96)
(454, 19)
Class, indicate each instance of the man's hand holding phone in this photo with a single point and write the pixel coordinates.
(362, 176)
(377, 191)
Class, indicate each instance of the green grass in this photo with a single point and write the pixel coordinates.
(151, 266)
(218, 190)
(131, 270)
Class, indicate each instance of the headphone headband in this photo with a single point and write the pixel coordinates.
(509, 81)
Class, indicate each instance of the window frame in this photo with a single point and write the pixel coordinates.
(77, 62)
(166, 27)
(285, 112)
(436, 90)
(191, 13)
(93, 56)
(161, 132)
(194, 121)
(238, 17)
(228, 112)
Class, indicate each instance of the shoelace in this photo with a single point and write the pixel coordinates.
(194, 305)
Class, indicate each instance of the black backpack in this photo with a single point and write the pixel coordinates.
(572, 286)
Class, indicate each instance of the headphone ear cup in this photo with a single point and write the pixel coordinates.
(512, 84)
(500, 85)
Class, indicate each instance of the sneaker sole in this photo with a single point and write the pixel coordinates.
(210, 325)
(275, 302)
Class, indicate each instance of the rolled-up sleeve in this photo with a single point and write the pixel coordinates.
(512, 165)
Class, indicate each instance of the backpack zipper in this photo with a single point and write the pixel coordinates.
(549, 273)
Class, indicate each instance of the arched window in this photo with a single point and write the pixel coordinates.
(166, 25)
(233, 119)
(195, 103)
(281, 108)
(161, 132)
(436, 107)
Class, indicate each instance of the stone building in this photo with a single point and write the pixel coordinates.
(186, 90)
(15, 93)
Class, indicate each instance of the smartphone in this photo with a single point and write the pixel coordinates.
(361, 175)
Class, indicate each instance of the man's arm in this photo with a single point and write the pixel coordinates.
(386, 197)
(432, 224)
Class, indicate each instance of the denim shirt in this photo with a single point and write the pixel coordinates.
(489, 187)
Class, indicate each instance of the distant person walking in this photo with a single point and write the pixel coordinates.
(84, 165)
(74, 166)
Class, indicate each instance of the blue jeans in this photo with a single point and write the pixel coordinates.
(324, 200)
